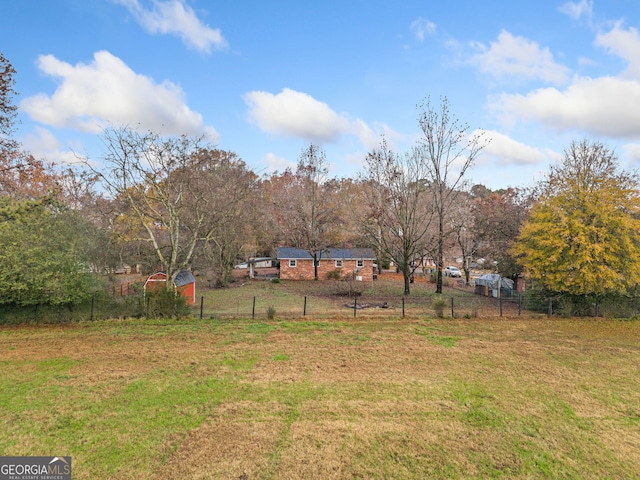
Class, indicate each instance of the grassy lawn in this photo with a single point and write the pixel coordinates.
(324, 299)
(326, 398)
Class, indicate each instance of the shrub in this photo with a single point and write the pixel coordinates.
(438, 307)
(165, 303)
(335, 274)
(349, 287)
(384, 263)
(271, 312)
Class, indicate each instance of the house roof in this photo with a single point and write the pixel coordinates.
(329, 253)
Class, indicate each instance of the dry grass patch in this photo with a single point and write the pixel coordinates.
(238, 441)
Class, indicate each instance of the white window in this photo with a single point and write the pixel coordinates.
(338, 263)
(359, 263)
(292, 263)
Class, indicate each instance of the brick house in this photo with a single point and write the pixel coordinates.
(297, 264)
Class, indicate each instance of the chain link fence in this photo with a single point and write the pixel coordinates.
(271, 301)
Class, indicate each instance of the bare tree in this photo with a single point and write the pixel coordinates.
(167, 186)
(8, 110)
(497, 219)
(399, 207)
(221, 181)
(448, 151)
(462, 225)
(302, 205)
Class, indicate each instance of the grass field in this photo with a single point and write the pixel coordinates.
(286, 399)
(253, 299)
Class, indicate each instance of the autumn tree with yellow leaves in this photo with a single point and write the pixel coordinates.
(583, 235)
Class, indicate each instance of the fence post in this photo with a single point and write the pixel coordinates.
(93, 302)
(304, 311)
(403, 306)
(148, 304)
(253, 309)
(355, 306)
(549, 308)
(520, 304)
(597, 307)
(453, 314)
(201, 307)
(500, 305)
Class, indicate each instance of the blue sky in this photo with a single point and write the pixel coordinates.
(266, 78)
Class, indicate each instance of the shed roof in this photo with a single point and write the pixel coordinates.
(329, 253)
(492, 280)
(184, 277)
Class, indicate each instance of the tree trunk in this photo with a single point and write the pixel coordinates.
(171, 279)
(440, 254)
(407, 280)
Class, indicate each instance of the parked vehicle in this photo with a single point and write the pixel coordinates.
(452, 272)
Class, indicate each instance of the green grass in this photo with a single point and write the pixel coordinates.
(375, 398)
(254, 298)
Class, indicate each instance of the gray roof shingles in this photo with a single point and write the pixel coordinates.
(183, 278)
(329, 253)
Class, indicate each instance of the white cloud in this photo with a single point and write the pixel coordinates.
(515, 56)
(299, 115)
(632, 151)
(356, 158)
(605, 106)
(624, 44)
(510, 151)
(295, 114)
(176, 18)
(43, 145)
(277, 164)
(107, 91)
(578, 10)
(586, 62)
(422, 27)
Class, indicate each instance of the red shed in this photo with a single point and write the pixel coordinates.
(185, 284)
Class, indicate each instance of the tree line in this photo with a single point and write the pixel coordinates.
(175, 203)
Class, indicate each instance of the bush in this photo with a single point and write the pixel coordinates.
(438, 307)
(566, 305)
(335, 274)
(101, 306)
(271, 312)
(130, 306)
(165, 303)
(349, 287)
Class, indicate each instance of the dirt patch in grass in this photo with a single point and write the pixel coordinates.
(236, 443)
